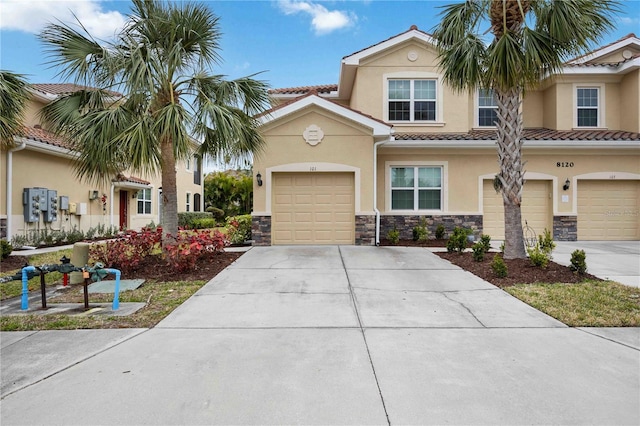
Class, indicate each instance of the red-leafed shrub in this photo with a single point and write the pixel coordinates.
(189, 246)
(126, 252)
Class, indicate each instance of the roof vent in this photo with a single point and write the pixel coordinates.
(413, 27)
(627, 54)
(37, 126)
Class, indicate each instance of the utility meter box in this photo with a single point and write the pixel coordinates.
(64, 203)
(51, 214)
(81, 209)
(73, 207)
(34, 201)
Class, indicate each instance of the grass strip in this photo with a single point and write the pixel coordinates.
(587, 304)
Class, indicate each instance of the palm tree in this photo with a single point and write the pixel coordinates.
(13, 101)
(159, 62)
(531, 39)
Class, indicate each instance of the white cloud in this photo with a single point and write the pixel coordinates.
(625, 20)
(31, 16)
(323, 20)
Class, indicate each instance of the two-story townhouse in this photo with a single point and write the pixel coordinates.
(391, 143)
(41, 165)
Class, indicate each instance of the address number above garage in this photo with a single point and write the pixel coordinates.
(313, 135)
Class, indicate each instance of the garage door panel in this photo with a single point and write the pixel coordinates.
(608, 210)
(537, 208)
(320, 208)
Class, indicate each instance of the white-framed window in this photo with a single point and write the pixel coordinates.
(412, 100)
(187, 164)
(588, 107)
(188, 202)
(144, 201)
(416, 187)
(487, 108)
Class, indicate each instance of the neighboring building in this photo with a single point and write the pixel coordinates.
(40, 160)
(392, 141)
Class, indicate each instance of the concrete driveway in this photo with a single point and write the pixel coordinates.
(331, 335)
(612, 260)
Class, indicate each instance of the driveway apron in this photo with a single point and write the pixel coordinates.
(346, 335)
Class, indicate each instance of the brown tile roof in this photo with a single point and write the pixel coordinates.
(131, 179)
(41, 135)
(529, 134)
(323, 88)
(64, 88)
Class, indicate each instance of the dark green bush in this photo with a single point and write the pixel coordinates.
(538, 257)
(458, 240)
(420, 232)
(499, 267)
(440, 232)
(217, 213)
(204, 223)
(393, 236)
(485, 240)
(5, 249)
(578, 261)
(545, 242)
(185, 219)
(478, 251)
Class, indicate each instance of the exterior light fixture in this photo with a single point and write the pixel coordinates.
(566, 184)
(259, 179)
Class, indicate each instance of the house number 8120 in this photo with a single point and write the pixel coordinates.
(564, 164)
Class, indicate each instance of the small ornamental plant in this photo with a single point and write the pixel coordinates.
(578, 261)
(420, 232)
(478, 251)
(440, 232)
(458, 240)
(393, 236)
(499, 267)
(485, 240)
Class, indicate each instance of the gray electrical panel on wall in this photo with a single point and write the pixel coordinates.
(51, 213)
(34, 201)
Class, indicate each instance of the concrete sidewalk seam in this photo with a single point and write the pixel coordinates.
(270, 292)
(606, 338)
(423, 291)
(20, 340)
(364, 337)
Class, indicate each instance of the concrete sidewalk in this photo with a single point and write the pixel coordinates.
(333, 335)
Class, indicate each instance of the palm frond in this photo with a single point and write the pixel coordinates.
(13, 101)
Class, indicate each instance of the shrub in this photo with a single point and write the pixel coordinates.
(478, 251)
(499, 267)
(485, 240)
(420, 232)
(393, 236)
(217, 213)
(204, 223)
(458, 240)
(126, 252)
(239, 228)
(538, 257)
(440, 232)
(185, 219)
(545, 243)
(578, 261)
(189, 246)
(5, 249)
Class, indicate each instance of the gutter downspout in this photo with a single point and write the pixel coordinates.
(9, 203)
(375, 186)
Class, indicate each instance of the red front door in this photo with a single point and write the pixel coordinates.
(124, 209)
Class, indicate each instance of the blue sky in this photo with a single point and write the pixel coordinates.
(295, 43)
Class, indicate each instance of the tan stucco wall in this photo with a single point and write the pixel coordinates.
(344, 142)
(31, 114)
(533, 109)
(464, 167)
(616, 56)
(630, 102)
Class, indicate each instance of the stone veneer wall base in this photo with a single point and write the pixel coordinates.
(261, 230)
(405, 224)
(565, 228)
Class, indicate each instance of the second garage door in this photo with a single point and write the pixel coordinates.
(608, 210)
(313, 208)
(537, 208)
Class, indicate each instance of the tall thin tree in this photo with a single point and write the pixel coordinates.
(160, 62)
(530, 40)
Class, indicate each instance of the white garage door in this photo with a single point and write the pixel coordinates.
(313, 208)
(608, 210)
(537, 208)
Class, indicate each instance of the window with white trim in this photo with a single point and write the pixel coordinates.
(188, 202)
(187, 164)
(588, 105)
(487, 108)
(144, 201)
(416, 188)
(412, 100)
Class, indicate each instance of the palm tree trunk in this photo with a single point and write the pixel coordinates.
(169, 191)
(511, 176)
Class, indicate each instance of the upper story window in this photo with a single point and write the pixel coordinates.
(416, 188)
(588, 106)
(187, 164)
(412, 100)
(188, 202)
(487, 108)
(144, 201)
